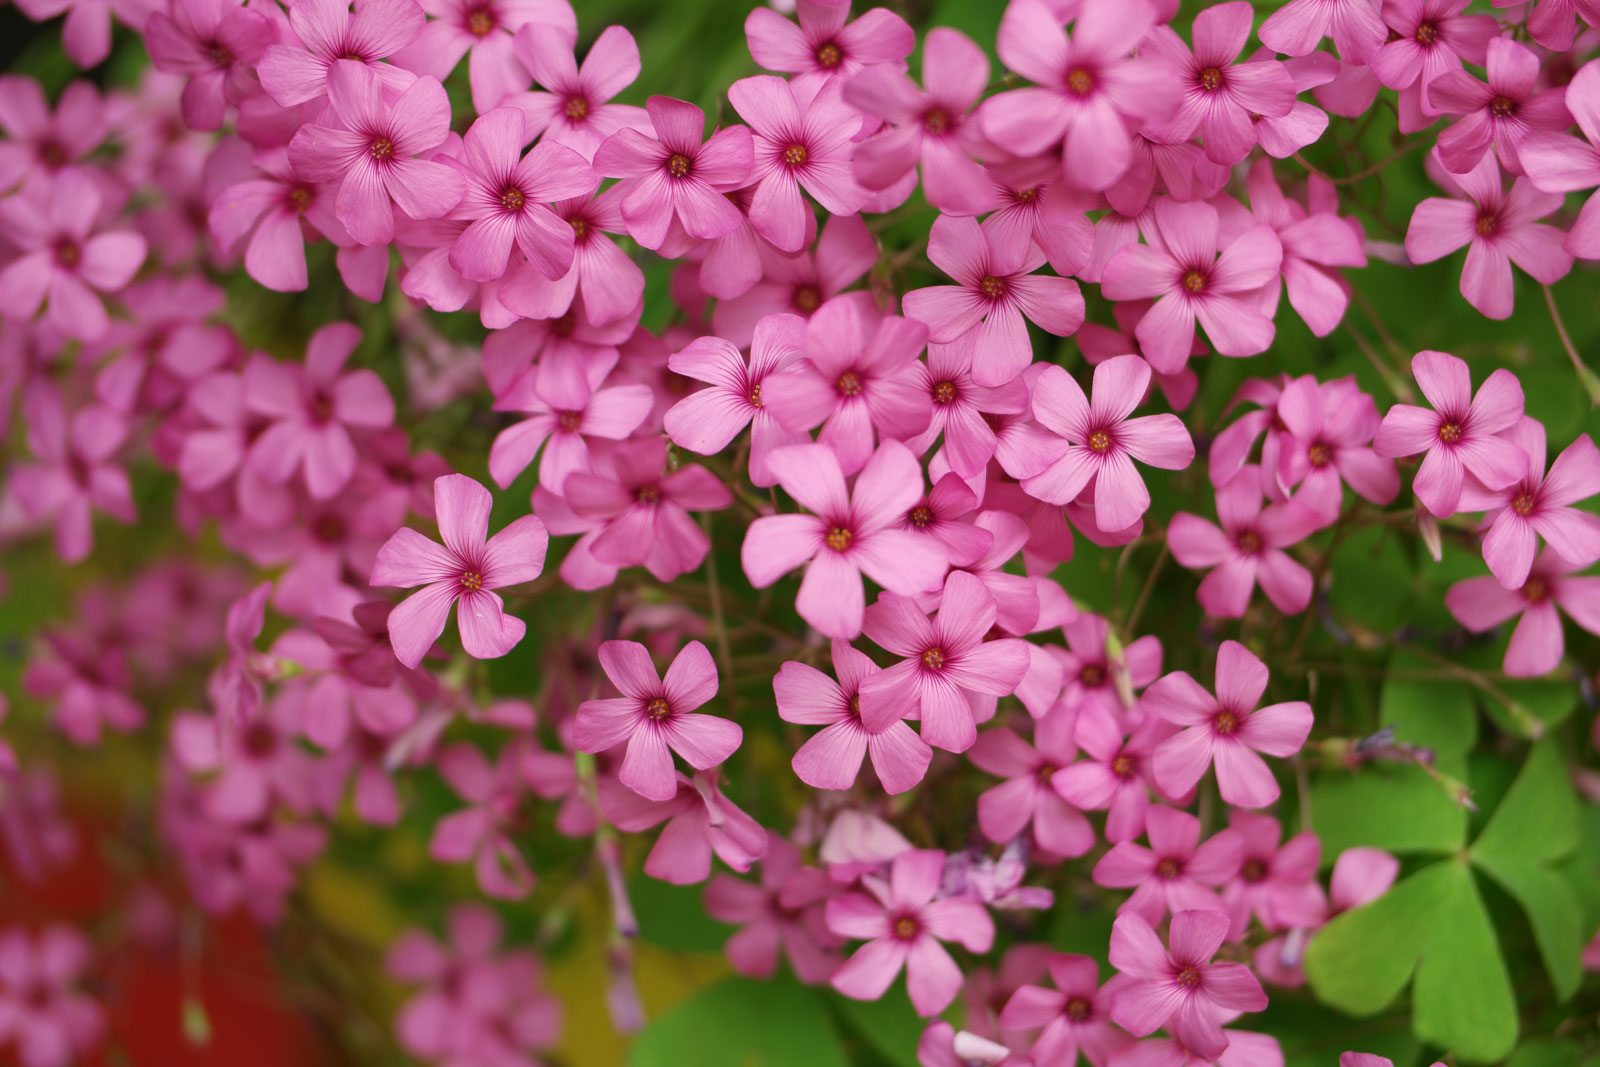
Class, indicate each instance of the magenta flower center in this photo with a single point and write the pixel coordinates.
(905, 928)
(992, 287)
(921, 517)
(1319, 454)
(829, 56)
(1536, 590)
(1123, 767)
(1450, 432)
(569, 420)
(1189, 976)
(937, 121)
(1025, 195)
(849, 384)
(944, 392)
(1099, 441)
(260, 740)
(513, 199)
(658, 709)
(219, 53)
(52, 154)
(1079, 80)
(480, 22)
(300, 199)
(580, 229)
(471, 581)
(1168, 869)
(1211, 79)
(1194, 280)
(381, 148)
(1487, 224)
(1249, 542)
(933, 659)
(67, 252)
(795, 155)
(1426, 34)
(1078, 1009)
(648, 494)
(1502, 107)
(1226, 722)
(807, 298)
(1523, 503)
(678, 165)
(1254, 870)
(576, 107)
(839, 538)
(755, 395)
(1092, 675)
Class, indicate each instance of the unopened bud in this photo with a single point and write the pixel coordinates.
(1428, 529)
(977, 1051)
(1117, 664)
(196, 1023)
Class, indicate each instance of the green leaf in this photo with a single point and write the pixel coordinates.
(1372, 580)
(1429, 711)
(1361, 960)
(674, 916)
(1538, 819)
(1552, 909)
(1546, 1052)
(1462, 997)
(1312, 1035)
(739, 1022)
(889, 1024)
(1364, 809)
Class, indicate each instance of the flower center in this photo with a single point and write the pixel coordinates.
(1194, 281)
(1450, 432)
(849, 384)
(1169, 869)
(1099, 440)
(1225, 723)
(1254, 870)
(1079, 80)
(471, 581)
(580, 229)
(1319, 454)
(1092, 675)
(839, 538)
(480, 22)
(1078, 1009)
(905, 928)
(658, 709)
(300, 199)
(381, 148)
(992, 287)
(1537, 590)
(678, 165)
(1486, 225)
(933, 659)
(1211, 79)
(755, 396)
(944, 392)
(513, 199)
(219, 54)
(569, 420)
(1502, 107)
(1189, 976)
(68, 253)
(53, 154)
(937, 121)
(1249, 542)
(576, 107)
(795, 155)
(829, 56)
(1123, 767)
(807, 298)
(921, 517)
(260, 740)
(648, 494)
(1426, 34)
(1523, 503)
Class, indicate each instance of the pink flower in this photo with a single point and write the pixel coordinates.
(1276, 885)
(785, 909)
(831, 759)
(1220, 96)
(86, 32)
(603, 282)
(480, 832)
(482, 30)
(1074, 1016)
(568, 404)
(1498, 228)
(948, 669)
(1298, 27)
(311, 409)
(1561, 163)
(75, 473)
(940, 515)
(575, 108)
(1329, 427)
(372, 151)
(1538, 506)
(1481, 604)
(62, 259)
(1360, 875)
(1315, 244)
(1430, 38)
(88, 685)
(1227, 729)
(682, 175)
(1117, 776)
(1089, 94)
(1459, 435)
(468, 567)
(653, 716)
(997, 295)
(216, 45)
(506, 197)
(705, 421)
(1105, 441)
(824, 46)
(1189, 281)
(796, 284)
(1501, 113)
(903, 925)
(1247, 548)
(1094, 679)
(844, 536)
(258, 762)
(928, 126)
(38, 142)
(1006, 810)
(858, 376)
(646, 508)
(700, 821)
(329, 32)
(1172, 874)
(800, 142)
(1180, 988)
(276, 212)
(43, 1009)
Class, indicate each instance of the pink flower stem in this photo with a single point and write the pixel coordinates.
(1591, 383)
(1144, 593)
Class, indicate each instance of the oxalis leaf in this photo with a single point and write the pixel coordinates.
(741, 1022)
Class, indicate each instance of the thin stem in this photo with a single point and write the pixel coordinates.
(1365, 172)
(718, 621)
(1144, 593)
(1591, 384)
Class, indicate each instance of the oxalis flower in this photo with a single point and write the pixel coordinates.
(467, 568)
(655, 715)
